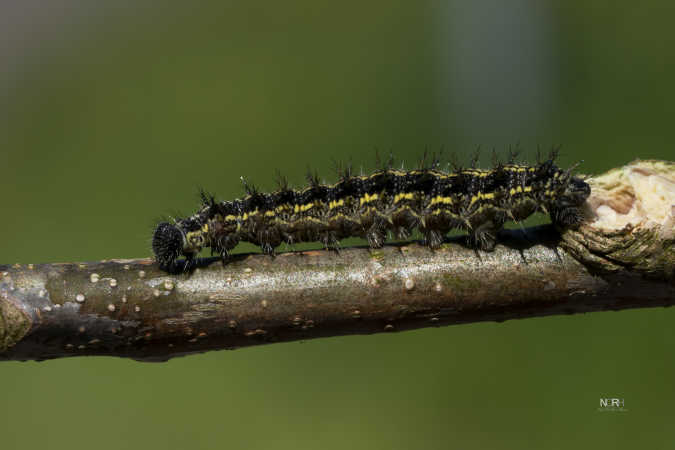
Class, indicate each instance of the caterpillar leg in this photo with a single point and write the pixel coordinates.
(169, 266)
(375, 237)
(190, 263)
(176, 268)
(267, 249)
(289, 242)
(433, 239)
(484, 237)
(330, 242)
(568, 217)
(224, 256)
(269, 239)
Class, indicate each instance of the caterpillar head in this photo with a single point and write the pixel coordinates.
(185, 237)
(167, 244)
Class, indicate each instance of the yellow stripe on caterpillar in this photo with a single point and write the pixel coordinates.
(441, 199)
(336, 203)
(368, 198)
(302, 208)
(517, 190)
(481, 196)
(403, 196)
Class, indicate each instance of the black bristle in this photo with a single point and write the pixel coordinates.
(167, 244)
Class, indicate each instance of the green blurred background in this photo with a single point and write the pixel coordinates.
(114, 113)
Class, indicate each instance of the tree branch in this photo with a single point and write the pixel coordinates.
(130, 308)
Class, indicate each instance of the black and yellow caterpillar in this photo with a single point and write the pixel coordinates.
(393, 201)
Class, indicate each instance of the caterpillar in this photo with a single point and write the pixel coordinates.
(389, 200)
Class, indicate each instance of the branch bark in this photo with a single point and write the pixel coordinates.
(130, 308)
